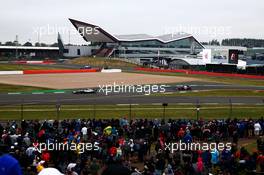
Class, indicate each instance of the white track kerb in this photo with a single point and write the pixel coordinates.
(11, 72)
(22, 72)
(111, 70)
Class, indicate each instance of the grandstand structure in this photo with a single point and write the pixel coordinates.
(140, 46)
(177, 50)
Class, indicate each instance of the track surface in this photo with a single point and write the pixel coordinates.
(125, 98)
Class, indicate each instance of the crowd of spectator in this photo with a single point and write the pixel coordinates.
(123, 147)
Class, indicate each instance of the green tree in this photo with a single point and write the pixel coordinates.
(214, 42)
(28, 44)
(37, 44)
(245, 42)
(10, 43)
(54, 45)
(43, 45)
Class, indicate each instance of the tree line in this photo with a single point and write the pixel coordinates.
(14, 43)
(237, 42)
(243, 42)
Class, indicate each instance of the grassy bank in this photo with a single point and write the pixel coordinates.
(137, 111)
(10, 67)
(6, 88)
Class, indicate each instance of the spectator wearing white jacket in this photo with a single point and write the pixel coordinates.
(257, 129)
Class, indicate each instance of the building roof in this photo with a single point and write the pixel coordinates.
(173, 37)
(29, 48)
(162, 38)
(104, 36)
(133, 37)
(93, 32)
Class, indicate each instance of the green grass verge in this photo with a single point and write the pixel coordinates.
(10, 67)
(217, 93)
(6, 88)
(101, 62)
(137, 111)
(205, 78)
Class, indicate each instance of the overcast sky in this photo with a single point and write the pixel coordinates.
(34, 20)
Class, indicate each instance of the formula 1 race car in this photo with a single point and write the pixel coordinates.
(184, 88)
(84, 91)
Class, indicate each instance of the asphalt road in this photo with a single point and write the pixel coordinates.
(119, 99)
(125, 98)
(215, 86)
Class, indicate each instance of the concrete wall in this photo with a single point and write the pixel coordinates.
(73, 51)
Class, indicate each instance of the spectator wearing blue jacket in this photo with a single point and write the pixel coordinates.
(9, 166)
(187, 138)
